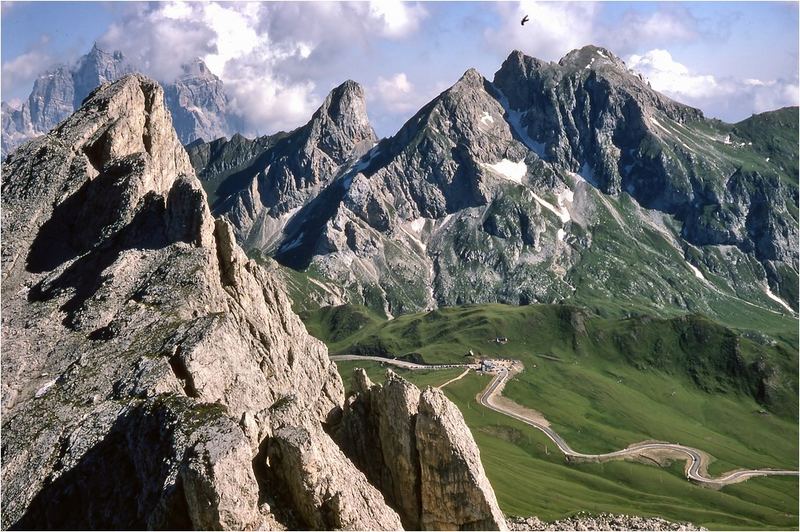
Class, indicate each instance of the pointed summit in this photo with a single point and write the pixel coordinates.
(471, 79)
(94, 69)
(346, 99)
(341, 123)
(592, 57)
(196, 68)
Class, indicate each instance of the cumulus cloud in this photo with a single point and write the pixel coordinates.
(552, 30)
(668, 25)
(555, 28)
(728, 98)
(397, 93)
(396, 18)
(26, 67)
(270, 62)
(669, 76)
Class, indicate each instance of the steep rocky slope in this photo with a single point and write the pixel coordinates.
(416, 447)
(570, 180)
(197, 100)
(154, 377)
(199, 104)
(259, 185)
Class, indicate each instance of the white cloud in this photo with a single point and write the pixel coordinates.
(669, 76)
(727, 97)
(26, 67)
(397, 93)
(396, 18)
(637, 30)
(553, 28)
(270, 56)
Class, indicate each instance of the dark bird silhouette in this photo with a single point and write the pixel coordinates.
(524, 20)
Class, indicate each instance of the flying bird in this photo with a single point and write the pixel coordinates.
(524, 20)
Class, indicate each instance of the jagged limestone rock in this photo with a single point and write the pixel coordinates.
(498, 191)
(199, 104)
(455, 490)
(196, 99)
(417, 448)
(157, 377)
(327, 490)
(258, 185)
(136, 333)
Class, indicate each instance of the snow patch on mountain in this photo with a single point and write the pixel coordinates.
(772, 296)
(514, 119)
(561, 212)
(294, 243)
(417, 225)
(696, 270)
(510, 170)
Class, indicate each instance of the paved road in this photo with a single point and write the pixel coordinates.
(402, 363)
(693, 456)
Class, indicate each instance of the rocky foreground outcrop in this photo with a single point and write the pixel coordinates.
(154, 377)
(417, 448)
(585, 521)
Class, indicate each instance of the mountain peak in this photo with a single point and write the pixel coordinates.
(196, 68)
(346, 107)
(472, 78)
(95, 68)
(350, 91)
(97, 54)
(590, 56)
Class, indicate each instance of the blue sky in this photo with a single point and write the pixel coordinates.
(279, 60)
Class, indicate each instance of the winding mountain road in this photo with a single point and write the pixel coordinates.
(695, 459)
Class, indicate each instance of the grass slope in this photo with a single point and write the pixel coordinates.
(531, 478)
(604, 383)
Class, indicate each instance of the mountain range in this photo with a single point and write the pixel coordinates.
(158, 374)
(196, 99)
(559, 181)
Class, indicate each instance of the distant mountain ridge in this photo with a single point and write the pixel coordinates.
(196, 99)
(555, 181)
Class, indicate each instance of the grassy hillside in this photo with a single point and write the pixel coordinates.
(604, 383)
(531, 478)
(690, 348)
(774, 134)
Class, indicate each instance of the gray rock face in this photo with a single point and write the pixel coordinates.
(611, 121)
(56, 94)
(258, 185)
(196, 99)
(199, 104)
(155, 376)
(417, 447)
(451, 470)
(531, 188)
(327, 490)
(94, 69)
(137, 332)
